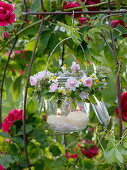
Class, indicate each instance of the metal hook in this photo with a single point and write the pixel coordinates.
(73, 15)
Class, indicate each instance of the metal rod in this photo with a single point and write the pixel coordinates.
(76, 12)
(26, 90)
(118, 84)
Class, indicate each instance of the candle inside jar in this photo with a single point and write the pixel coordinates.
(75, 120)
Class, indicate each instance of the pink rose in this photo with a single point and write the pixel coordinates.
(6, 14)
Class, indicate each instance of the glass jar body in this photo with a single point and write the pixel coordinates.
(68, 116)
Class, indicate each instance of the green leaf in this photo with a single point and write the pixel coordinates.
(31, 106)
(5, 135)
(16, 88)
(44, 39)
(88, 164)
(35, 6)
(55, 150)
(29, 128)
(110, 155)
(119, 156)
(39, 164)
(7, 159)
(19, 141)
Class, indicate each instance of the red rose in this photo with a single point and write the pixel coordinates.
(72, 5)
(5, 35)
(88, 148)
(82, 20)
(6, 125)
(70, 155)
(1, 167)
(92, 2)
(12, 117)
(114, 23)
(123, 106)
(15, 115)
(6, 14)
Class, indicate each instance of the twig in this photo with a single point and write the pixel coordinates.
(118, 84)
(26, 89)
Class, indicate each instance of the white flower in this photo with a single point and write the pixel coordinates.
(93, 76)
(72, 83)
(75, 66)
(33, 80)
(43, 75)
(53, 87)
(84, 95)
(65, 71)
(62, 90)
(84, 78)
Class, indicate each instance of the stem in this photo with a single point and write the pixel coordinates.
(23, 30)
(3, 78)
(118, 84)
(26, 90)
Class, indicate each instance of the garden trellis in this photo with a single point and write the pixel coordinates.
(43, 13)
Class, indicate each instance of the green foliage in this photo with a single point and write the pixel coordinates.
(44, 151)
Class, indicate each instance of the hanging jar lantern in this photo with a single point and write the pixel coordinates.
(67, 114)
(68, 94)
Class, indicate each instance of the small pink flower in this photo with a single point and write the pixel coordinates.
(18, 51)
(87, 82)
(75, 66)
(27, 65)
(72, 83)
(21, 72)
(7, 140)
(5, 35)
(53, 87)
(6, 14)
(33, 80)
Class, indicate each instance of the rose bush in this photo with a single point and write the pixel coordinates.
(6, 14)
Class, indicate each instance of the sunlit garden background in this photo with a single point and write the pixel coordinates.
(63, 84)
